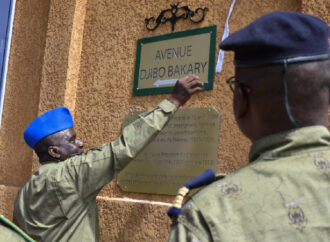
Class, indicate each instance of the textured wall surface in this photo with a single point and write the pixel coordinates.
(81, 54)
(61, 60)
(7, 197)
(318, 8)
(132, 220)
(22, 89)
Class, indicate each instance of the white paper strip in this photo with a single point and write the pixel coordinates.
(225, 35)
(164, 82)
(126, 199)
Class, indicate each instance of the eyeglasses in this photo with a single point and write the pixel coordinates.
(232, 82)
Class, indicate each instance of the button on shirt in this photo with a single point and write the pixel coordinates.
(58, 203)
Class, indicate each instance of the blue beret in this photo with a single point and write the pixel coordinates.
(48, 123)
(279, 36)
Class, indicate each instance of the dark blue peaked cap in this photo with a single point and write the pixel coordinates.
(280, 36)
(48, 123)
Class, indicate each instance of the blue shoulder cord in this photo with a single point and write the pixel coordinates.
(207, 177)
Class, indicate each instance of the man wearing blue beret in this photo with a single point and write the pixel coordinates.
(281, 98)
(58, 203)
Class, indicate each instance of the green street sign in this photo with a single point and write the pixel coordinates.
(162, 60)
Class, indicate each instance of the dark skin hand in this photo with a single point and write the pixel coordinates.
(184, 88)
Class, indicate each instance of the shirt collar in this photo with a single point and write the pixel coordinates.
(290, 142)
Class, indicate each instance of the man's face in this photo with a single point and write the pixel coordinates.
(67, 144)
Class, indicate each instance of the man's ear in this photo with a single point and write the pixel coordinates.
(241, 103)
(54, 152)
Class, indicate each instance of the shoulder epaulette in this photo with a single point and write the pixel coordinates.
(15, 228)
(220, 176)
(207, 177)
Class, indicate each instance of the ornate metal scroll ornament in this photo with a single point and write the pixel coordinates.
(175, 13)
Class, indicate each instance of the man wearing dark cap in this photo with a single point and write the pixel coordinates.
(281, 99)
(58, 203)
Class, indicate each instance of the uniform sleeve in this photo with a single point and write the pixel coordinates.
(181, 233)
(90, 172)
(138, 134)
(190, 226)
(7, 234)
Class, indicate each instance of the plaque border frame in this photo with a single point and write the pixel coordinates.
(157, 90)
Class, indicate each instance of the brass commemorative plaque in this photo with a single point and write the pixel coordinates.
(162, 60)
(184, 149)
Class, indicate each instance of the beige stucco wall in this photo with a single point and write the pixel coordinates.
(81, 54)
(22, 89)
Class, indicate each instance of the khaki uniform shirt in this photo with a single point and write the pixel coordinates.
(6, 234)
(11, 233)
(282, 195)
(58, 203)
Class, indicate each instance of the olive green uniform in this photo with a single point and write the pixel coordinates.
(282, 195)
(58, 203)
(9, 232)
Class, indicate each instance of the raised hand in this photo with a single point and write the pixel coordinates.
(184, 88)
